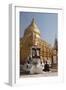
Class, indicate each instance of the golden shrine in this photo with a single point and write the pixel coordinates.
(32, 37)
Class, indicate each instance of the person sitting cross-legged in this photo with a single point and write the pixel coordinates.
(46, 67)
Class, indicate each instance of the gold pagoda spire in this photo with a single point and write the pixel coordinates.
(33, 27)
(33, 22)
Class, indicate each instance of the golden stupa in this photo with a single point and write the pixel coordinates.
(32, 28)
(32, 38)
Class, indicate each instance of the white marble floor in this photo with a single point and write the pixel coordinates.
(45, 74)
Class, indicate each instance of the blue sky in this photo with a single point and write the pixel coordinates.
(46, 22)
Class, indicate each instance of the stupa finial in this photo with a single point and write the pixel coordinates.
(33, 21)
